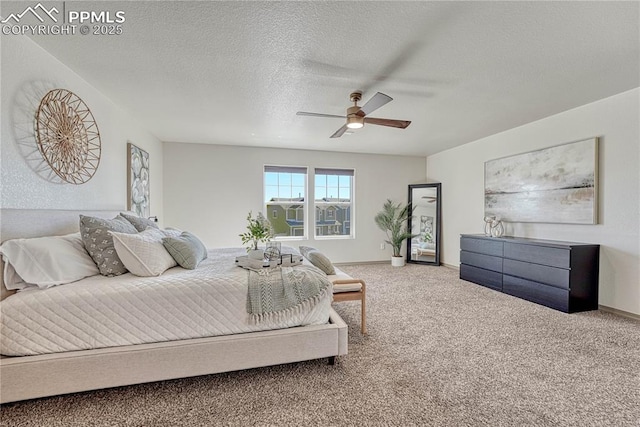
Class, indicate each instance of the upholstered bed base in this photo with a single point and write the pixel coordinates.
(30, 377)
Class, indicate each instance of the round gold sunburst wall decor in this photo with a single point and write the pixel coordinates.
(68, 136)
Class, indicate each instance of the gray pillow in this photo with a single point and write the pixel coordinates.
(140, 223)
(305, 249)
(319, 259)
(99, 243)
(186, 249)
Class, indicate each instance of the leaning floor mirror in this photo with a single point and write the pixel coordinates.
(424, 224)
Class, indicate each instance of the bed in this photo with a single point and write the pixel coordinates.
(124, 359)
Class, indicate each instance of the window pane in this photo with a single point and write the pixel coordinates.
(285, 185)
(297, 179)
(270, 178)
(332, 194)
(321, 193)
(270, 192)
(284, 179)
(345, 193)
(298, 192)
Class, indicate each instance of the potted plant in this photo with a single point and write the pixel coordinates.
(392, 219)
(258, 230)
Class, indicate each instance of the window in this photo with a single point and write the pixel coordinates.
(285, 196)
(333, 202)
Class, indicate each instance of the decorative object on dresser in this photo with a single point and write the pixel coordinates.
(138, 184)
(493, 227)
(559, 275)
(392, 219)
(555, 185)
(424, 224)
(68, 136)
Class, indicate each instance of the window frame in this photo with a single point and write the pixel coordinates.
(352, 198)
(304, 202)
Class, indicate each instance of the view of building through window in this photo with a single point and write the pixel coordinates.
(286, 203)
(332, 200)
(285, 199)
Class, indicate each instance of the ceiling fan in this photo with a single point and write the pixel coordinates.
(357, 116)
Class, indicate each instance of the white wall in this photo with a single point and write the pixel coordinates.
(209, 189)
(28, 72)
(616, 121)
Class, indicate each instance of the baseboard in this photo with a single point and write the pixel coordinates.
(362, 263)
(451, 266)
(619, 312)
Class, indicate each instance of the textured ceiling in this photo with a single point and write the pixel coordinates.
(237, 72)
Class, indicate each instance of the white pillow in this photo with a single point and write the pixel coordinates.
(143, 253)
(46, 261)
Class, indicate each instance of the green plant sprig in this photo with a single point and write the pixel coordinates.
(258, 230)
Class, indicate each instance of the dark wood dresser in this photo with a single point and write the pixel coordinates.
(559, 275)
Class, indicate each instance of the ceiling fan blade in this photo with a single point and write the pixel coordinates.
(304, 113)
(377, 101)
(339, 132)
(402, 124)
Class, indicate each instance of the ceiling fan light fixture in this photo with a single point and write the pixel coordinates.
(355, 122)
(357, 116)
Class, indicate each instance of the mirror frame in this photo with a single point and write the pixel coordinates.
(438, 227)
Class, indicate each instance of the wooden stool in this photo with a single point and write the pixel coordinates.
(351, 290)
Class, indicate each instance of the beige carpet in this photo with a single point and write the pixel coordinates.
(440, 352)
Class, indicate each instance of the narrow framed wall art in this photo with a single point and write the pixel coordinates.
(138, 183)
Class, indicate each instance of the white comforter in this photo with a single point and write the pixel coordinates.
(114, 311)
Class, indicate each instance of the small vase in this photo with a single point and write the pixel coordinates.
(256, 254)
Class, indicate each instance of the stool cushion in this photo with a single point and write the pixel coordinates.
(339, 275)
(351, 287)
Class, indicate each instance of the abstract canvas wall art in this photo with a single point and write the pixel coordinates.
(138, 181)
(555, 185)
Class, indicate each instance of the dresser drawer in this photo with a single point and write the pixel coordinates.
(555, 257)
(558, 277)
(490, 279)
(483, 246)
(487, 262)
(536, 292)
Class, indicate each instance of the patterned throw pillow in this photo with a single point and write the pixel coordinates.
(99, 243)
(140, 223)
(186, 249)
(320, 260)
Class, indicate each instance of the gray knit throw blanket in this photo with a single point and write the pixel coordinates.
(276, 294)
